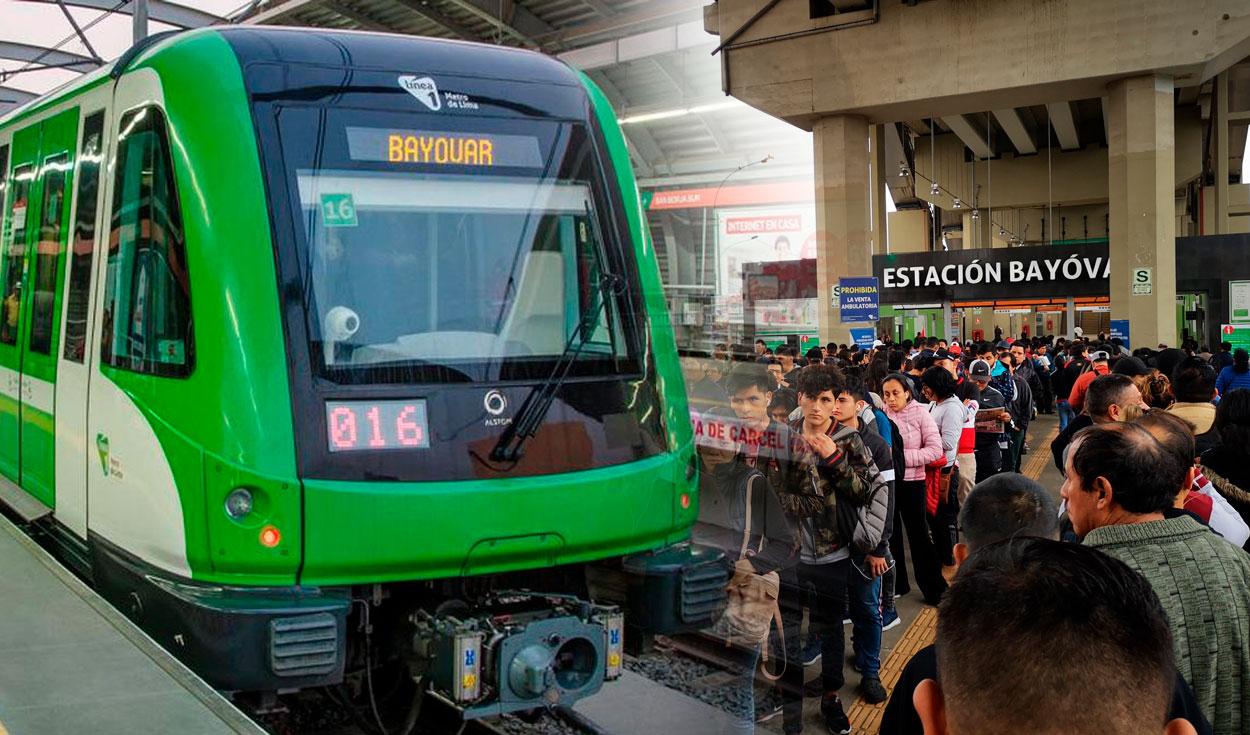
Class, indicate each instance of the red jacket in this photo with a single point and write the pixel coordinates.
(1077, 399)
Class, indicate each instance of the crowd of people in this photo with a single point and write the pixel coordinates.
(826, 469)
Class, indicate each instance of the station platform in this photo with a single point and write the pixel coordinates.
(71, 663)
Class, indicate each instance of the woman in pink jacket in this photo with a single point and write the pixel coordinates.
(922, 444)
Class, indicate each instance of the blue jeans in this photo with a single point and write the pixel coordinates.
(1066, 414)
(742, 690)
(864, 595)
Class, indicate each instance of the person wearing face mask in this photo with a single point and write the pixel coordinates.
(922, 445)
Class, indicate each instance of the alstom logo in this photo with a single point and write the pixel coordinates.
(424, 89)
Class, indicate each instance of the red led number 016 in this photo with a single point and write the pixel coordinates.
(345, 433)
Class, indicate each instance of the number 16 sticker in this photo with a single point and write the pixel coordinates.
(338, 210)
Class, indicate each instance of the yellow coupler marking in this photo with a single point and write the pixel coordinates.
(866, 718)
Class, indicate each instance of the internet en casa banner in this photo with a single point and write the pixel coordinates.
(758, 235)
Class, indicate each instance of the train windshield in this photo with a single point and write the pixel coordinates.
(473, 254)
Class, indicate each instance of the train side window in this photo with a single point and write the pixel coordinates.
(14, 254)
(82, 251)
(47, 254)
(147, 298)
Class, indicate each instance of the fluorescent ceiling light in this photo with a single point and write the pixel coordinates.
(679, 112)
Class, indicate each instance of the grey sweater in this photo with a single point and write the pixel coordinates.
(1204, 585)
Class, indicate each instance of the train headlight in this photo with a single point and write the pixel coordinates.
(239, 503)
(614, 629)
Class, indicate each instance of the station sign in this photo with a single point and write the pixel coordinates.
(1143, 281)
(1239, 301)
(864, 337)
(1120, 328)
(1238, 335)
(859, 300)
(984, 274)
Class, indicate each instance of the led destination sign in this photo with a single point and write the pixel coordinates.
(440, 148)
(376, 425)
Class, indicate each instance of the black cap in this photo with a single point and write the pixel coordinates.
(943, 354)
(979, 370)
(1130, 366)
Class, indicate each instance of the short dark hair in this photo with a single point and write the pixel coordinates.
(814, 355)
(817, 379)
(1078, 348)
(1078, 629)
(940, 381)
(786, 398)
(1226, 346)
(747, 375)
(1174, 433)
(855, 384)
(1007, 505)
(761, 342)
(1193, 381)
(1144, 477)
(1232, 419)
(1106, 391)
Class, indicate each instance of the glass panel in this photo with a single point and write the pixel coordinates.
(47, 254)
(83, 250)
(147, 309)
(15, 254)
(452, 271)
(473, 254)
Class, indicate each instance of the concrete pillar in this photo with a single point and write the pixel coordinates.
(880, 170)
(843, 213)
(1142, 184)
(1219, 111)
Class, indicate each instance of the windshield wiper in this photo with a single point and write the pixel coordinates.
(536, 406)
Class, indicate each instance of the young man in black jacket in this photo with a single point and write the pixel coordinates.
(811, 472)
(863, 580)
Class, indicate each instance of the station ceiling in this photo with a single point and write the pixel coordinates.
(651, 57)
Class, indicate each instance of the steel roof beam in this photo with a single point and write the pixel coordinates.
(643, 148)
(971, 134)
(11, 98)
(86, 42)
(1021, 131)
(651, 12)
(1064, 123)
(274, 12)
(439, 19)
(40, 56)
(367, 22)
(517, 22)
(163, 12)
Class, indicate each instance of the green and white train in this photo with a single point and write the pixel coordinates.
(326, 349)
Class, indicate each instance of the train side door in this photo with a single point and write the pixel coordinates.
(74, 454)
(31, 280)
(23, 166)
